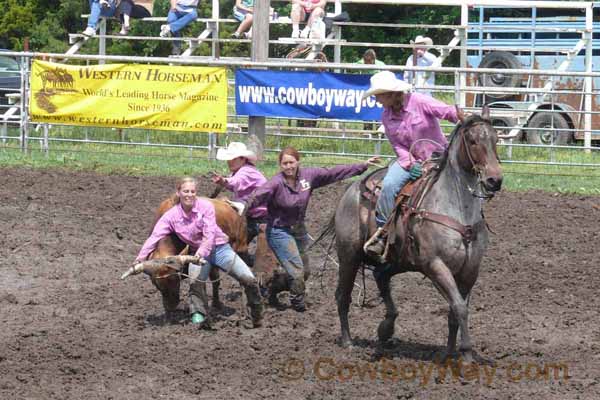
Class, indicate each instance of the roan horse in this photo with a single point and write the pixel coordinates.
(446, 233)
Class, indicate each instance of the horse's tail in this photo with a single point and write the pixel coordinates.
(328, 231)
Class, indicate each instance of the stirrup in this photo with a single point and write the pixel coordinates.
(377, 237)
(372, 239)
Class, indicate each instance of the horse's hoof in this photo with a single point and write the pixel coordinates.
(218, 306)
(467, 357)
(385, 330)
(444, 356)
(345, 342)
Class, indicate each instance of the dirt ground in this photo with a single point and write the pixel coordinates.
(70, 329)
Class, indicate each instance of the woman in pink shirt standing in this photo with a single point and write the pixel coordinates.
(193, 220)
(245, 178)
(411, 122)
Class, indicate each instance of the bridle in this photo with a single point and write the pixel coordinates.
(477, 169)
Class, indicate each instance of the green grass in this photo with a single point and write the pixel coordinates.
(164, 161)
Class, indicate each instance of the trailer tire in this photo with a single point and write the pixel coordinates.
(500, 60)
(543, 120)
(504, 125)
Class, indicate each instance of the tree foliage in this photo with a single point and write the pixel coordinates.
(47, 23)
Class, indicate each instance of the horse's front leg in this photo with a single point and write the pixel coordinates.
(386, 327)
(452, 334)
(458, 314)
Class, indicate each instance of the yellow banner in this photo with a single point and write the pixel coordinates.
(178, 98)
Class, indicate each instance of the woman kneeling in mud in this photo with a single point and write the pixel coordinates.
(193, 220)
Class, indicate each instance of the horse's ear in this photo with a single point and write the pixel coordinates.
(485, 113)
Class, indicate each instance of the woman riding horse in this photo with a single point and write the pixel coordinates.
(286, 196)
(442, 233)
(408, 118)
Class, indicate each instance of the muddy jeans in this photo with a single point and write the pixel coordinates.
(227, 260)
(289, 245)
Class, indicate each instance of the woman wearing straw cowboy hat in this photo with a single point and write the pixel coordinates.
(421, 58)
(407, 118)
(244, 179)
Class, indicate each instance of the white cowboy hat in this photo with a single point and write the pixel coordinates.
(386, 81)
(235, 150)
(422, 40)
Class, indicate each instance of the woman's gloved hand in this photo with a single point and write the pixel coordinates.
(416, 170)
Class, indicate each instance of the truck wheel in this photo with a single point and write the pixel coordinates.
(561, 135)
(500, 60)
(503, 125)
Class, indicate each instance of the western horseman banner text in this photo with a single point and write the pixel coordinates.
(179, 98)
(303, 94)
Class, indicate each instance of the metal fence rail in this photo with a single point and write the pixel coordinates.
(351, 139)
(344, 138)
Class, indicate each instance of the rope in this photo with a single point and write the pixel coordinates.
(362, 290)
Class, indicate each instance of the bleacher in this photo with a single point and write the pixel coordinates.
(209, 34)
(214, 23)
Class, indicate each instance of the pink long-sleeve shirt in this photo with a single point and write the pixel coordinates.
(198, 229)
(419, 119)
(243, 183)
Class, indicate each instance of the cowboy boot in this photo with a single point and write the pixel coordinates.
(297, 295)
(255, 305)
(297, 302)
(375, 246)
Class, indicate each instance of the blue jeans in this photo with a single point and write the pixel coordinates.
(96, 12)
(393, 182)
(227, 260)
(178, 20)
(289, 245)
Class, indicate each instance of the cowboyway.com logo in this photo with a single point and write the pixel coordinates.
(420, 372)
(306, 96)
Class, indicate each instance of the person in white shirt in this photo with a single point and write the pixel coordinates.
(423, 81)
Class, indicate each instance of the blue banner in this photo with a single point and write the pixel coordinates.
(304, 94)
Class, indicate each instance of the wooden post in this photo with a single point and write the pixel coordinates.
(260, 52)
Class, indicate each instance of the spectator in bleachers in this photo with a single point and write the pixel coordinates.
(307, 11)
(370, 57)
(242, 11)
(99, 8)
(181, 13)
(125, 9)
(423, 80)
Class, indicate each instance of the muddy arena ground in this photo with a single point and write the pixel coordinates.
(70, 329)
